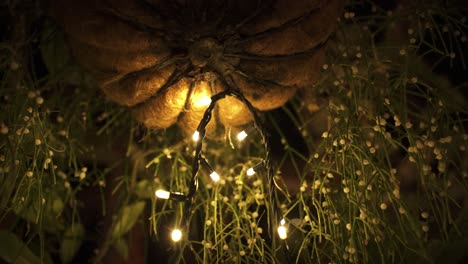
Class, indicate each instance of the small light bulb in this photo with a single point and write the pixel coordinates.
(282, 230)
(201, 100)
(250, 172)
(242, 135)
(162, 194)
(176, 235)
(196, 136)
(204, 101)
(214, 176)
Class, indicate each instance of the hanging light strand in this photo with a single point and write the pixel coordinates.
(198, 159)
(267, 163)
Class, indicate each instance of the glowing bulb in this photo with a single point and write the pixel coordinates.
(176, 235)
(282, 230)
(196, 136)
(201, 100)
(242, 135)
(250, 172)
(214, 176)
(204, 101)
(162, 194)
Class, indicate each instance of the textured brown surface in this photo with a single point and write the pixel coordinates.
(158, 57)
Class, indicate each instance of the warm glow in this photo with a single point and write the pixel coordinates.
(250, 172)
(214, 176)
(282, 230)
(201, 100)
(242, 135)
(176, 235)
(162, 194)
(196, 136)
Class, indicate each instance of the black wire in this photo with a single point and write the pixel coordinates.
(198, 159)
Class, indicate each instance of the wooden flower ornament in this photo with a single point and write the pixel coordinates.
(164, 59)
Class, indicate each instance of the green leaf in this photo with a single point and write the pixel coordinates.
(127, 218)
(13, 250)
(144, 190)
(32, 209)
(58, 58)
(121, 246)
(71, 242)
(54, 50)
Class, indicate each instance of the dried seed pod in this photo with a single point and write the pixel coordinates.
(164, 59)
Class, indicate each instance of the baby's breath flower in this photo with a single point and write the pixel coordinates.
(259, 196)
(397, 121)
(39, 100)
(447, 139)
(419, 144)
(425, 228)
(4, 130)
(47, 161)
(430, 143)
(62, 133)
(383, 206)
(412, 150)
(402, 210)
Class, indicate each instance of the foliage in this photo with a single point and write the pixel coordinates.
(381, 170)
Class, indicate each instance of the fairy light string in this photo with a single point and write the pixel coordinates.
(199, 160)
